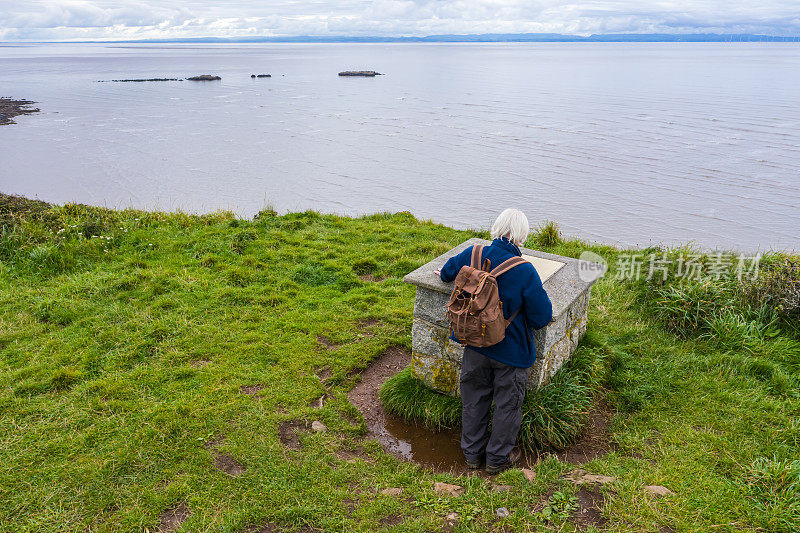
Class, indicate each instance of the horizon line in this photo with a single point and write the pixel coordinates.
(452, 38)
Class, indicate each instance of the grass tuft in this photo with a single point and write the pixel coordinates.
(552, 416)
(406, 396)
(547, 235)
(774, 487)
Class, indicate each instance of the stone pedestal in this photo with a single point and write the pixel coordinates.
(436, 360)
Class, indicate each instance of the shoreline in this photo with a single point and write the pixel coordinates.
(10, 203)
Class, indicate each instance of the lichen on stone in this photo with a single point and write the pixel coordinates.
(445, 376)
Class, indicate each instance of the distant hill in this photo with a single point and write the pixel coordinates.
(487, 38)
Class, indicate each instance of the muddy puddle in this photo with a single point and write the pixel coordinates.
(441, 451)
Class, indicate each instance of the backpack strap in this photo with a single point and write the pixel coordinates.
(507, 265)
(525, 322)
(477, 251)
(512, 317)
(502, 268)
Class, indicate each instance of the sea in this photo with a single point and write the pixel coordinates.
(632, 144)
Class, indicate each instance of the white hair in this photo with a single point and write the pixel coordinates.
(511, 223)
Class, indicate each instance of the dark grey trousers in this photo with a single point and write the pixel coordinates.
(482, 380)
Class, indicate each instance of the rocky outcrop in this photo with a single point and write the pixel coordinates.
(260, 75)
(139, 80)
(13, 108)
(204, 77)
(367, 73)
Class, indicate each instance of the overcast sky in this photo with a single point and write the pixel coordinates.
(142, 19)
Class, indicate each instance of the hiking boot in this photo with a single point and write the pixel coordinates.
(513, 458)
(476, 464)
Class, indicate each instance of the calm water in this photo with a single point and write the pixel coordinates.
(618, 142)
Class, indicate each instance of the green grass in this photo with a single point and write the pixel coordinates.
(126, 336)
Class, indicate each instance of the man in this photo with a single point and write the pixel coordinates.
(500, 372)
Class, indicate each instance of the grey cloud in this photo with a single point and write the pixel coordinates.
(129, 19)
(85, 14)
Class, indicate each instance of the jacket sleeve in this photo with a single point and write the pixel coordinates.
(453, 266)
(538, 309)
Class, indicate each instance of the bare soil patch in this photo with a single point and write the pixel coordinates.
(271, 527)
(172, 518)
(323, 373)
(654, 438)
(252, 390)
(10, 108)
(350, 504)
(595, 439)
(590, 505)
(391, 520)
(351, 454)
(542, 502)
(288, 432)
(367, 326)
(365, 394)
(223, 461)
(211, 443)
(326, 342)
(318, 403)
(266, 527)
(226, 463)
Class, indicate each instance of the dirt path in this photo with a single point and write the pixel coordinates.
(595, 441)
(365, 394)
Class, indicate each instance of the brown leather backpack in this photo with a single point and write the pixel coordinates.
(475, 311)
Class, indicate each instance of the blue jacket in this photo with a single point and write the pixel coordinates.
(519, 288)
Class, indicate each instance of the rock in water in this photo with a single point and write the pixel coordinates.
(204, 77)
(368, 73)
(260, 75)
(140, 80)
(12, 108)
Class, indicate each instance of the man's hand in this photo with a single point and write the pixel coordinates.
(438, 272)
